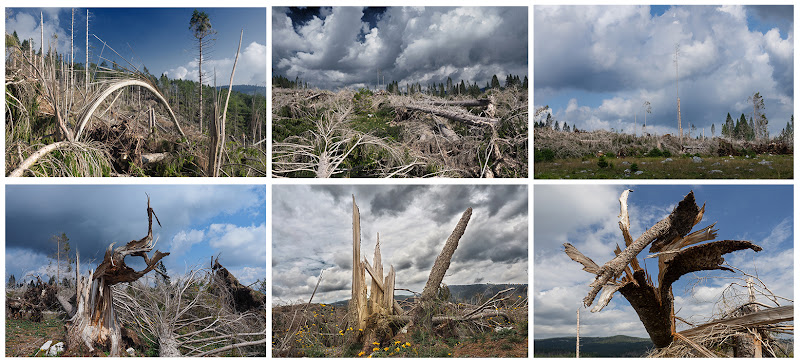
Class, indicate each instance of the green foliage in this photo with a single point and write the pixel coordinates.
(543, 155)
(634, 167)
(602, 163)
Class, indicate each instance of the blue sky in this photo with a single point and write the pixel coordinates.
(595, 66)
(197, 221)
(586, 217)
(335, 47)
(158, 38)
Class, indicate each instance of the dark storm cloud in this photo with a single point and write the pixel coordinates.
(781, 14)
(395, 200)
(346, 47)
(413, 221)
(93, 216)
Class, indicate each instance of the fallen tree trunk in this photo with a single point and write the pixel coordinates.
(483, 102)
(464, 117)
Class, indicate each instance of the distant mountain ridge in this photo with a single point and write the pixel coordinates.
(246, 89)
(468, 293)
(613, 346)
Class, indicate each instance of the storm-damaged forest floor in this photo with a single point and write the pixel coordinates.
(608, 155)
(318, 133)
(320, 330)
(65, 120)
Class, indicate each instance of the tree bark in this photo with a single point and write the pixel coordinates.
(95, 322)
(464, 117)
(424, 311)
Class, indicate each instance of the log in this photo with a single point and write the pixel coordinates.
(459, 116)
(759, 318)
(483, 102)
(153, 157)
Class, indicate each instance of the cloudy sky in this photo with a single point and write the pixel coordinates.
(586, 217)
(312, 231)
(197, 221)
(158, 38)
(344, 46)
(595, 66)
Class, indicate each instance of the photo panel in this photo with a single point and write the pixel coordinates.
(400, 270)
(663, 270)
(191, 281)
(663, 92)
(399, 91)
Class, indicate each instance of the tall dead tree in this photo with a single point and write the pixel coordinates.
(93, 321)
(680, 128)
(670, 239)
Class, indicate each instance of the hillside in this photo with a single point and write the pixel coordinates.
(323, 134)
(613, 346)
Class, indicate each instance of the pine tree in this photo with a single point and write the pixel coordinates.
(200, 25)
(712, 131)
(495, 82)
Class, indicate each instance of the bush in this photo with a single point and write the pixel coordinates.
(634, 167)
(543, 155)
(602, 163)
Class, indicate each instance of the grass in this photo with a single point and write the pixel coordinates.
(24, 337)
(323, 333)
(681, 167)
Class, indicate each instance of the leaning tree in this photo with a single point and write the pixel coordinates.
(93, 321)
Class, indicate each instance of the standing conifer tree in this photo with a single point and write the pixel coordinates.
(200, 25)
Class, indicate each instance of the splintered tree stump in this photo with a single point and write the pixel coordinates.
(654, 304)
(94, 323)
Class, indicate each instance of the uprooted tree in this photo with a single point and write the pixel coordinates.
(670, 240)
(93, 321)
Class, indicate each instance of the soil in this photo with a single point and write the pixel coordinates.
(24, 338)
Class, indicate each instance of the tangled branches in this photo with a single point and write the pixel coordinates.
(191, 316)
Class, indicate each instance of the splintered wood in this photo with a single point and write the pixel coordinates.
(668, 239)
(381, 298)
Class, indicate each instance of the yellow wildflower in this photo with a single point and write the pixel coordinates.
(374, 343)
(396, 342)
(360, 353)
(386, 349)
(376, 349)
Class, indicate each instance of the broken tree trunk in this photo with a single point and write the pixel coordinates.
(95, 322)
(654, 305)
(358, 294)
(424, 310)
(460, 116)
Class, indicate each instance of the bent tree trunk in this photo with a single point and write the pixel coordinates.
(94, 323)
